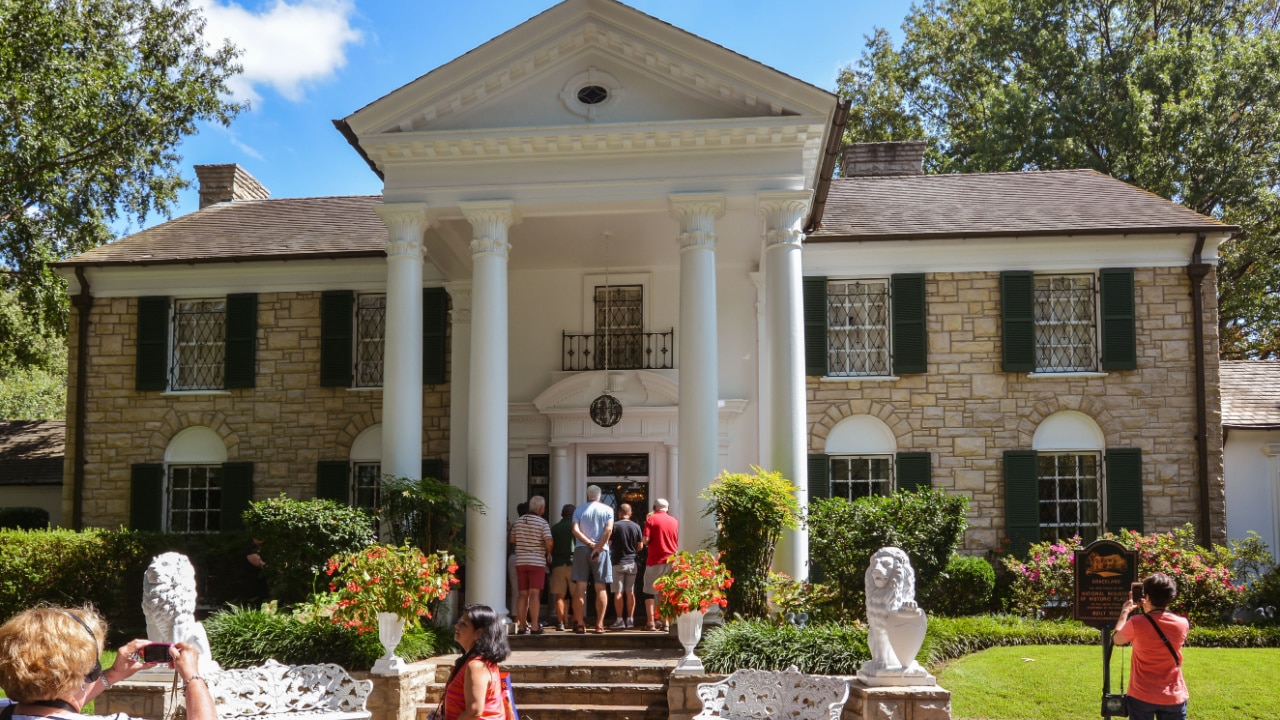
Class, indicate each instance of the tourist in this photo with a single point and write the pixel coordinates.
(532, 537)
(50, 665)
(592, 526)
(662, 536)
(513, 583)
(623, 545)
(474, 688)
(562, 545)
(1157, 690)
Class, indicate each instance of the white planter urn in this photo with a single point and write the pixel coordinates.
(390, 630)
(689, 630)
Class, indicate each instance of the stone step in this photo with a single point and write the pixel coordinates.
(552, 639)
(578, 712)
(579, 675)
(552, 693)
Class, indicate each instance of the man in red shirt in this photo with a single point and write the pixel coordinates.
(662, 537)
(1157, 690)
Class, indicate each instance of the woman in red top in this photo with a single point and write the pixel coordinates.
(1157, 690)
(474, 689)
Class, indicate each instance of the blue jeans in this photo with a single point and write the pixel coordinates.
(1139, 710)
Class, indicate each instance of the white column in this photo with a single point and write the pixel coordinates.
(699, 376)
(784, 342)
(487, 422)
(459, 379)
(402, 352)
(673, 481)
(561, 483)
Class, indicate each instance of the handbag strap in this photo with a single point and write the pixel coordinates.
(1167, 644)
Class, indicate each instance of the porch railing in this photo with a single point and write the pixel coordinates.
(626, 351)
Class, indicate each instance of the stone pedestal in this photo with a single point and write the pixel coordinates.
(145, 695)
(682, 694)
(397, 697)
(907, 702)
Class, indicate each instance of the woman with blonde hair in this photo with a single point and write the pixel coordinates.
(50, 668)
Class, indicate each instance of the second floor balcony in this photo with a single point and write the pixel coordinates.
(618, 351)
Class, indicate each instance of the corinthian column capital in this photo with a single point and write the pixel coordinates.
(489, 224)
(406, 223)
(697, 215)
(782, 213)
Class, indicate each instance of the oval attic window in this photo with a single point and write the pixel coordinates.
(593, 95)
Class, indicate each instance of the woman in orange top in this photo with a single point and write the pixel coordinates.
(1157, 690)
(474, 689)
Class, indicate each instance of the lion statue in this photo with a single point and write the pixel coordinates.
(169, 604)
(895, 626)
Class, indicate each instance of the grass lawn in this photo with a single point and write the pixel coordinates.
(1064, 682)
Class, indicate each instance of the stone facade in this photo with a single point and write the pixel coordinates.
(284, 425)
(966, 411)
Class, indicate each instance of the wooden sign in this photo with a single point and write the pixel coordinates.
(1104, 571)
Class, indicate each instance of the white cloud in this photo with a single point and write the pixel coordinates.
(285, 45)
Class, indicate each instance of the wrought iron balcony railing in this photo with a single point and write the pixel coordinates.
(626, 351)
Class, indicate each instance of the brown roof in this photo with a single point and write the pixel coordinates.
(31, 451)
(254, 230)
(1250, 393)
(1058, 202)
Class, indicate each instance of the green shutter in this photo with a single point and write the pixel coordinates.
(336, 316)
(435, 328)
(433, 468)
(1119, 320)
(152, 365)
(914, 470)
(815, 326)
(237, 493)
(333, 481)
(1017, 316)
(1021, 500)
(146, 497)
(242, 340)
(819, 477)
(910, 338)
(1124, 489)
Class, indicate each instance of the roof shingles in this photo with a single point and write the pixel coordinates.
(1250, 393)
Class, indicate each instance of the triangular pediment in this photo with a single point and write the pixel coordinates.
(530, 77)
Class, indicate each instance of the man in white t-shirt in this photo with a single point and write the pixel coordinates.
(532, 537)
(592, 526)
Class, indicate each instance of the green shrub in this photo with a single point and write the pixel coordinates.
(826, 649)
(427, 513)
(1264, 595)
(24, 518)
(928, 524)
(299, 536)
(1234, 636)
(64, 567)
(965, 588)
(751, 512)
(241, 637)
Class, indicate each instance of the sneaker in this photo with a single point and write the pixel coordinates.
(560, 626)
(631, 624)
(618, 624)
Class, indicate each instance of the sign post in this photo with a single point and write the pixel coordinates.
(1104, 570)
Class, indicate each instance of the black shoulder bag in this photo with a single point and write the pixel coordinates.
(1167, 644)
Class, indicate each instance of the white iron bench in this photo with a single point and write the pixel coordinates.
(762, 694)
(291, 692)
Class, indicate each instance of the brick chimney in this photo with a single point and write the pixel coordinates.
(227, 183)
(883, 158)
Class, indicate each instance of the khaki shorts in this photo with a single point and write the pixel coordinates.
(561, 578)
(653, 572)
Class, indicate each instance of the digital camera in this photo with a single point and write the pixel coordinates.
(156, 653)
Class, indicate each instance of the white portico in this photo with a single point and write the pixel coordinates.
(596, 152)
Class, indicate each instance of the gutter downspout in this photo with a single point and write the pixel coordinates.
(834, 144)
(1196, 272)
(83, 303)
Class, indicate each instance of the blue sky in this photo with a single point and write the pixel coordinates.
(308, 62)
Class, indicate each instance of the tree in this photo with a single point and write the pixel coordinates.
(1180, 97)
(95, 96)
(33, 366)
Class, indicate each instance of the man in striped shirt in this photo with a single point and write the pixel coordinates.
(532, 537)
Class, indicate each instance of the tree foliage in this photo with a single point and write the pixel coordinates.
(1180, 97)
(95, 96)
(33, 365)
(751, 511)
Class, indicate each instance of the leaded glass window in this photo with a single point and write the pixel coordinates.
(619, 316)
(1065, 322)
(1069, 492)
(858, 327)
(371, 323)
(199, 344)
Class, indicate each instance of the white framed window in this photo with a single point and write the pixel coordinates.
(366, 485)
(1070, 498)
(619, 325)
(199, 344)
(855, 476)
(370, 339)
(1066, 323)
(194, 498)
(858, 322)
